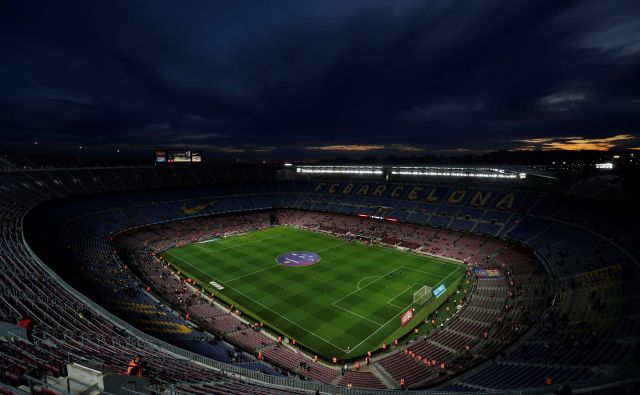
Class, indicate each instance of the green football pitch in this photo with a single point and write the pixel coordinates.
(346, 304)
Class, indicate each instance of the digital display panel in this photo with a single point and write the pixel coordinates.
(177, 156)
(161, 156)
(439, 290)
(406, 317)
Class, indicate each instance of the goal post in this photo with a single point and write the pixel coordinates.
(422, 295)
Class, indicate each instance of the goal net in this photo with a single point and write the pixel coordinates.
(422, 295)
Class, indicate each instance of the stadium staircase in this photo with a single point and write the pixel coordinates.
(383, 376)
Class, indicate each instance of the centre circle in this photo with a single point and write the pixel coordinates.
(298, 258)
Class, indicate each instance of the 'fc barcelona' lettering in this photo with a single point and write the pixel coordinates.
(457, 196)
(480, 199)
(413, 194)
(502, 201)
(506, 202)
(397, 191)
(379, 191)
(363, 191)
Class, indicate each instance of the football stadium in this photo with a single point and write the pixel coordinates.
(291, 279)
(429, 197)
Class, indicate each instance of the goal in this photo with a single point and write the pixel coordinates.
(422, 295)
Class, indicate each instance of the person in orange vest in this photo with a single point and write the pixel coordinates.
(260, 356)
(401, 382)
(135, 366)
(548, 380)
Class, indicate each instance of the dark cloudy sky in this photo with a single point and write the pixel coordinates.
(311, 78)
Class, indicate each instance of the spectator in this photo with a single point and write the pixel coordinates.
(28, 324)
(135, 366)
(85, 314)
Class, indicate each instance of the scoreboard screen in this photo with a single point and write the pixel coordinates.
(178, 156)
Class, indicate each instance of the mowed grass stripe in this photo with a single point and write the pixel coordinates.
(310, 303)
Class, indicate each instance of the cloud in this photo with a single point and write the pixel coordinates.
(444, 107)
(346, 148)
(402, 148)
(157, 127)
(609, 26)
(263, 149)
(231, 150)
(402, 77)
(406, 148)
(564, 97)
(576, 143)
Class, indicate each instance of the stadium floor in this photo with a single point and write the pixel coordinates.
(345, 304)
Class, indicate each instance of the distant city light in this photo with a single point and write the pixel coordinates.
(607, 165)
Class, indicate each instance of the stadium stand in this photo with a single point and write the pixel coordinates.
(565, 305)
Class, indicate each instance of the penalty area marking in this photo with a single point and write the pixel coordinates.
(237, 245)
(351, 293)
(397, 315)
(406, 289)
(427, 273)
(358, 285)
(356, 314)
